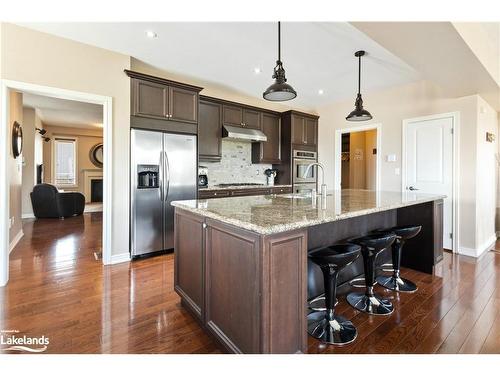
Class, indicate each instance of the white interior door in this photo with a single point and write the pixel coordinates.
(429, 164)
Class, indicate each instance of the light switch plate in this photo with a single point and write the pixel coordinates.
(391, 158)
(397, 171)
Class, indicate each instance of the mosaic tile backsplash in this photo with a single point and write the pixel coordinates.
(235, 165)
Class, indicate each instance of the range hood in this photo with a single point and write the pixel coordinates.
(243, 134)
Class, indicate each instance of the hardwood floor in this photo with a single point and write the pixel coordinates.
(59, 290)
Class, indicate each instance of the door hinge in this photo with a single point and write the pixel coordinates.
(451, 236)
(451, 131)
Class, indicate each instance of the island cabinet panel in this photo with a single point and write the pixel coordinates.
(284, 290)
(232, 287)
(189, 256)
(424, 251)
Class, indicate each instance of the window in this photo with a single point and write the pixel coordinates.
(65, 162)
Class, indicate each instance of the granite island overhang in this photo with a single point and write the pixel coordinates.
(241, 262)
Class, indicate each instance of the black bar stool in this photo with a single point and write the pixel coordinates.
(395, 282)
(325, 325)
(369, 302)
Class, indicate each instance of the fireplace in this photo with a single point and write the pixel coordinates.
(96, 190)
(89, 176)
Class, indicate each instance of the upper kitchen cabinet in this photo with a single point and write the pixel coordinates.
(156, 98)
(304, 129)
(210, 130)
(183, 105)
(235, 115)
(251, 118)
(149, 99)
(269, 151)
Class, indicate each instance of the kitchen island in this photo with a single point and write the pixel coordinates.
(241, 262)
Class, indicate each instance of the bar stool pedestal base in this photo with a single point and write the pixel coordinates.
(338, 331)
(397, 284)
(374, 305)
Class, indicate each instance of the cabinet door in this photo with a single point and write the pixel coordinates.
(210, 131)
(310, 132)
(298, 124)
(251, 118)
(271, 150)
(189, 267)
(233, 115)
(183, 105)
(149, 99)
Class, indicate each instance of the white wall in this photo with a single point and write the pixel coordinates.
(66, 64)
(389, 108)
(486, 176)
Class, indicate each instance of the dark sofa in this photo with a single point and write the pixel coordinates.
(48, 202)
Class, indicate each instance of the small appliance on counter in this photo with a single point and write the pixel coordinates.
(271, 175)
(202, 177)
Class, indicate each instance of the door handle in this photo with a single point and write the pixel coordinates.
(412, 188)
(160, 190)
(167, 175)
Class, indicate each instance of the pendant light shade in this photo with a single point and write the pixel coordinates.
(279, 91)
(359, 114)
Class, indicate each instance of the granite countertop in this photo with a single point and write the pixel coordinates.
(267, 214)
(238, 187)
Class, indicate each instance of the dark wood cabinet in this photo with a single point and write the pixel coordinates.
(210, 131)
(298, 123)
(183, 105)
(149, 99)
(161, 99)
(310, 131)
(233, 115)
(251, 118)
(304, 130)
(269, 151)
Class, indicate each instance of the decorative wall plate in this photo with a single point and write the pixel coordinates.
(17, 139)
(96, 155)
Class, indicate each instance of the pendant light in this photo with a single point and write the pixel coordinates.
(359, 114)
(279, 91)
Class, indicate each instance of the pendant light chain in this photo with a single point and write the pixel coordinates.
(359, 74)
(279, 41)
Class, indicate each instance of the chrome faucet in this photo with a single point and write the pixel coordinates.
(323, 185)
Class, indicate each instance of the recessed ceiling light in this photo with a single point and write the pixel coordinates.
(151, 34)
(320, 92)
(257, 70)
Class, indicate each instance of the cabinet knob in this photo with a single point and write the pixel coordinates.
(215, 193)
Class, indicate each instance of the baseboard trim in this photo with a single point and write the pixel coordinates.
(476, 253)
(27, 216)
(120, 258)
(15, 240)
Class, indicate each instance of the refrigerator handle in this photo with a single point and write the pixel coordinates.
(160, 190)
(167, 176)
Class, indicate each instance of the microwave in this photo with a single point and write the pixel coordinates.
(301, 160)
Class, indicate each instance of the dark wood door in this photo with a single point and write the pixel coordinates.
(210, 131)
(233, 115)
(310, 131)
(271, 150)
(149, 99)
(298, 123)
(251, 118)
(183, 105)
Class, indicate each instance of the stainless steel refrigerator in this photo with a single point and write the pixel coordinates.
(163, 169)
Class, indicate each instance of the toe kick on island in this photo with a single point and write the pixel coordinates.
(247, 284)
